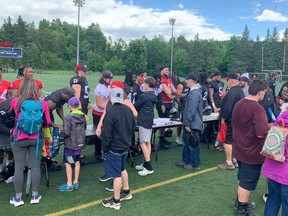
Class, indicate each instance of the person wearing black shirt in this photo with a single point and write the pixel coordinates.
(272, 83)
(130, 87)
(232, 97)
(215, 90)
(80, 84)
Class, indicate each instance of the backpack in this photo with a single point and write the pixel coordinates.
(5, 113)
(30, 119)
(274, 146)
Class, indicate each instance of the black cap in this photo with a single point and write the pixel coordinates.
(272, 74)
(245, 79)
(107, 74)
(192, 76)
(232, 76)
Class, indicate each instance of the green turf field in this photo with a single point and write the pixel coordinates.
(169, 191)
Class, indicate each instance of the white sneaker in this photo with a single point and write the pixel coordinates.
(145, 172)
(265, 197)
(179, 141)
(139, 167)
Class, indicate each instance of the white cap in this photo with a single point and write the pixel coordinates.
(117, 95)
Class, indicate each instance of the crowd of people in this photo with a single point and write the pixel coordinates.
(247, 109)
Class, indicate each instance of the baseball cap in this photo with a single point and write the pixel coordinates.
(232, 76)
(192, 76)
(117, 83)
(69, 91)
(272, 74)
(117, 95)
(107, 74)
(245, 79)
(82, 67)
(74, 102)
(254, 76)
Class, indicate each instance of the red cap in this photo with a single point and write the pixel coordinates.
(82, 67)
(118, 84)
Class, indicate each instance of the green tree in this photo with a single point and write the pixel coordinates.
(136, 58)
(115, 65)
(181, 59)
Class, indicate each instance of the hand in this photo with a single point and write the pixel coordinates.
(86, 118)
(98, 132)
(89, 106)
(163, 108)
(188, 129)
(216, 109)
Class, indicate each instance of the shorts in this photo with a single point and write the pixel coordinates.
(114, 164)
(229, 134)
(144, 135)
(71, 159)
(222, 133)
(248, 175)
(168, 107)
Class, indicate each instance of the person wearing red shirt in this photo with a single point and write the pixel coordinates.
(27, 72)
(4, 87)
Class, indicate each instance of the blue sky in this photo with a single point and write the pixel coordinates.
(130, 19)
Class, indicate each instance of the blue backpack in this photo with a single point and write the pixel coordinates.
(30, 120)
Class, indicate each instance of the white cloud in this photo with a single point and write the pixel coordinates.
(116, 19)
(180, 6)
(269, 15)
(281, 1)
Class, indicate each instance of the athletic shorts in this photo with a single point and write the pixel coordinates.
(144, 135)
(71, 159)
(248, 175)
(114, 164)
(229, 134)
(168, 107)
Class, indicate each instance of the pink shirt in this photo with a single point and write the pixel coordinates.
(274, 170)
(21, 135)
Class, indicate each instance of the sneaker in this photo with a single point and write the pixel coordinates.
(125, 196)
(180, 163)
(109, 188)
(104, 178)
(265, 197)
(16, 202)
(225, 166)
(189, 167)
(235, 164)
(65, 187)
(35, 199)
(179, 141)
(111, 204)
(76, 186)
(139, 167)
(251, 205)
(145, 172)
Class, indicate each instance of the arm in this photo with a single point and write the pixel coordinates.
(107, 132)
(60, 113)
(46, 112)
(179, 91)
(167, 91)
(99, 102)
(66, 128)
(191, 109)
(77, 89)
(131, 106)
(140, 103)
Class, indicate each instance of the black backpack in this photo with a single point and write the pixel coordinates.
(6, 116)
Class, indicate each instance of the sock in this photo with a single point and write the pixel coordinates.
(216, 143)
(126, 191)
(18, 195)
(69, 185)
(229, 162)
(148, 165)
(74, 182)
(116, 200)
(35, 193)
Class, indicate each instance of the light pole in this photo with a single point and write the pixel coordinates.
(78, 3)
(172, 22)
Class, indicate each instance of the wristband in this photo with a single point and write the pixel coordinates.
(213, 104)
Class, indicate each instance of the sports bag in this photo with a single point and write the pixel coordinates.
(30, 120)
(274, 146)
(51, 145)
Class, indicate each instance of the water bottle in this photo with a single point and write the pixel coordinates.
(271, 114)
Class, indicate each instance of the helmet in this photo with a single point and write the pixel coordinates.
(174, 114)
(168, 132)
(207, 110)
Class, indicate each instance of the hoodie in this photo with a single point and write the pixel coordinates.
(145, 107)
(275, 170)
(74, 130)
(192, 116)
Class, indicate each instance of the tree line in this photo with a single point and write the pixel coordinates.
(52, 45)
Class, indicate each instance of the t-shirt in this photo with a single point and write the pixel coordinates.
(218, 89)
(55, 96)
(205, 92)
(169, 82)
(4, 87)
(85, 90)
(16, 84)
(103, 91)
(131, 90)
(249, 121)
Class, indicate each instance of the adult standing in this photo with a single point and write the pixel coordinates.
(27, 143)
(192, 119)
(244, 83)
(80, 84)
(250, 127)
(4, 87)
(215, 90)
(272, 83)
(232, 97)
(131, 89)
(168, 94)
(101, 96)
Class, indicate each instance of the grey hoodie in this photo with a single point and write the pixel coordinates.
(193, 110)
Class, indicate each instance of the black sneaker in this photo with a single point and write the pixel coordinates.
(104, 178)
(111, 204)
(164, 141)
(110, 188)
(163, 146)
(125, 196)
(251, 205)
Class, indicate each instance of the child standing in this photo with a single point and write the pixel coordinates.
(74, 140)
(145, 107)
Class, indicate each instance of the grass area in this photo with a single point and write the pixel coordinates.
(200, 193)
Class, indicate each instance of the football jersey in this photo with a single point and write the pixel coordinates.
(169, 82)
(131, 91)
(55, 96)
(85, 90)
(4, 87)
(218, 89)
(16, 84)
